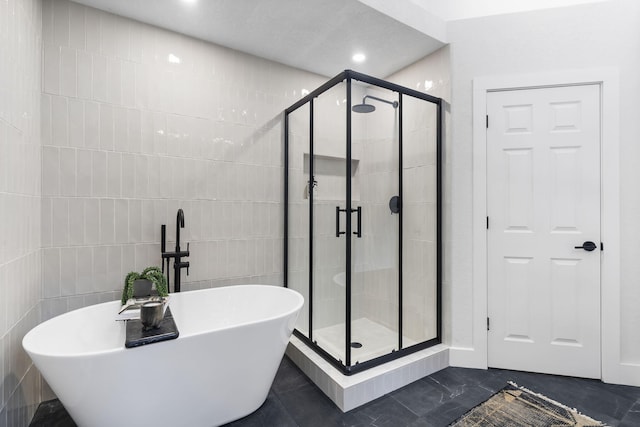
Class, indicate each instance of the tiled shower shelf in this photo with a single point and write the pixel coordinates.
(329, 165)
(349, 392)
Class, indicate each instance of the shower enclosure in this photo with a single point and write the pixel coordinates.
(363, 218)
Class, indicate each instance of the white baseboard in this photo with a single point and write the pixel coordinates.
(623, 374)
(466, 357)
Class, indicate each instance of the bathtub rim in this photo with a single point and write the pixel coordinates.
(33, 332)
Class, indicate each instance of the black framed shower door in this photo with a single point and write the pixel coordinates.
(315, 130)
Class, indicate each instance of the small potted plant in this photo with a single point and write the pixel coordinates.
(140, 284)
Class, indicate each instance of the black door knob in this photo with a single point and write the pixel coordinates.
(587, 246)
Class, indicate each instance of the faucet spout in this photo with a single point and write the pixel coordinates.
(179, 225)
(178, 264)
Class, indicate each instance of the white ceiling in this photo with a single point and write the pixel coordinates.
(321, 35)
(451, 10)
(315, 35)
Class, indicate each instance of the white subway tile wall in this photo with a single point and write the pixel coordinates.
(138, 122)
(107, 127)
(20, 190)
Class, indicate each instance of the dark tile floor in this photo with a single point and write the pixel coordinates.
(436, 400)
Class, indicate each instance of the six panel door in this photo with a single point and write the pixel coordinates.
(543, 189)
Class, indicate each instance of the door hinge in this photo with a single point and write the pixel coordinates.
(487, 223)
(488, 325)
(601, 246)
(487, 116)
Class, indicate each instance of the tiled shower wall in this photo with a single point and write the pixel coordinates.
(20, 65)
(138, 122)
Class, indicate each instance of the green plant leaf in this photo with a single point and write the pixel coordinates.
(153, 274)
(127, 292)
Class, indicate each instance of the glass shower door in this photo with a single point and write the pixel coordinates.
(328, 182)
(375, 223)
(299, 229)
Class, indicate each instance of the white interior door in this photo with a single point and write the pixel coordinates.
(543, 190)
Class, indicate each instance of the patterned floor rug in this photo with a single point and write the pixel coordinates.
(516, 406)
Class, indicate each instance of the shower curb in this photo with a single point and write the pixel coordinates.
(350, 392)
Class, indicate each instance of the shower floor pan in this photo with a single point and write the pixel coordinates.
(376, 340)
(349, 392)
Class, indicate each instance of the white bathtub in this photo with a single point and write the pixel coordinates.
(219, 369)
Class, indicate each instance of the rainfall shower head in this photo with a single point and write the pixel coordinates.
(363, 108)
(368, 108)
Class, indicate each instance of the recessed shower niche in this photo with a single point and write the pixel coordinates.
(363, 220)
(328, 181)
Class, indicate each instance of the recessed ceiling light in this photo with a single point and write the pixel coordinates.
(358, 57)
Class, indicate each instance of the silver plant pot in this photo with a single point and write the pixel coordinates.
(151, 314)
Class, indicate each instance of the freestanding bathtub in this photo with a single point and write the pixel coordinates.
(219, 369)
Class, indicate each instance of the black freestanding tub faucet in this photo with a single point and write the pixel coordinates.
(178, 264)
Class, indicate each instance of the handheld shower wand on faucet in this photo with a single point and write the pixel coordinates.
(178, 264)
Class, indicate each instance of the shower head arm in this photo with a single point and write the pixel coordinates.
(393, 103)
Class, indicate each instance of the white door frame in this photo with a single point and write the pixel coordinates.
(607, 78)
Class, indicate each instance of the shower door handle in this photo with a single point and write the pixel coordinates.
(359, 232)
(338, 210)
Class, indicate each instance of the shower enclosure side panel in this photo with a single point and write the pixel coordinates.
(420, 220)
(298, 205)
